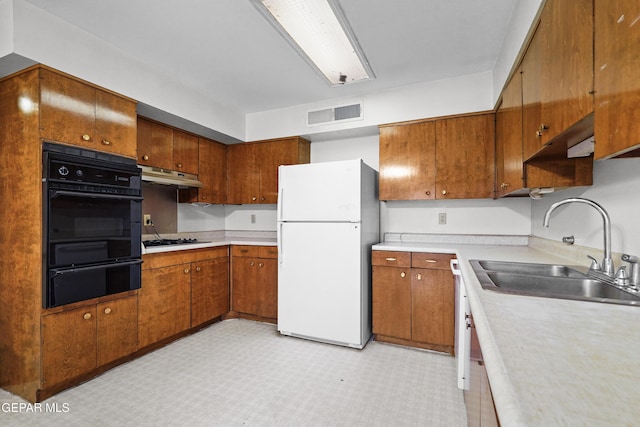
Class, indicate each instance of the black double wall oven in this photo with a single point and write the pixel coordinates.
(92, 224)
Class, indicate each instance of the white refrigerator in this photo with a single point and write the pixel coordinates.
(328, 219)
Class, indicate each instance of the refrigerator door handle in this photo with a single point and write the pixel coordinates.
(280, 242)
(280, 203)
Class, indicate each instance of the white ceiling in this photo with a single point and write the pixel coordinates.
(227, 50)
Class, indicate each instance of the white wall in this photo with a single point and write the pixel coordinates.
(69, 49)
(439, 98)
(616, 187)
(200, 218)
(6, 27)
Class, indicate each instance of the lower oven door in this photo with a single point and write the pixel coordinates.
(73, 284)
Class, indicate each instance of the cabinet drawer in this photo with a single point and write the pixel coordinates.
(268, 252)
(430, 260)
(244, 250)
(390, 258)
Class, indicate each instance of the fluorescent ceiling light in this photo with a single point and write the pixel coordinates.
(321, 34)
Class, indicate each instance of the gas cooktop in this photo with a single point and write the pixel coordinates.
(165, 242)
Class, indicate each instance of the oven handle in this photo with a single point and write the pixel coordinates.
(57, 193)
(60, 271)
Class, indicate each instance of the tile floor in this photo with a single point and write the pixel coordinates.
(243, 373)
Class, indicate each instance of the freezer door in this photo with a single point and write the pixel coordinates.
(321, 292)
(328, 191)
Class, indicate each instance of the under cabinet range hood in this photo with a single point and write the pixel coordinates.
(169, 177)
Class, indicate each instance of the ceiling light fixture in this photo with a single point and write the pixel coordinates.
(320, 32)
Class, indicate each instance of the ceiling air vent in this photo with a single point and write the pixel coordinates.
(335, 114)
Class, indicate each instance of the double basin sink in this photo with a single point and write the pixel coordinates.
(548, 280)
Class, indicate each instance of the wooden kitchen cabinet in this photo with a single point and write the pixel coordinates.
(75, 112)
(446, 158)
(413, 297)
(69, 347)
(164, 307)
(509, 158)
(155, 144)
(254, 281)
(76, 341)
(478, 400)
(180, 290)
(185, 152)
(252, 168)
(407, 161)
(617, 87)
(212, 172)
(465, 157)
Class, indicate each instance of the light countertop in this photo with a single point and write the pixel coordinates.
(550, 361)
(211, 240)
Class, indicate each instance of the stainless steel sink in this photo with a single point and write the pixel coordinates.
(548, 280)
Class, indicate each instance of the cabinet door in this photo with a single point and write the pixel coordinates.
(209, 289)
(115, 126)
(117, 333)
(155, 144)
(270, 155)
(531, 98)
(164, 303)
(465, 154)
(617, 86)
(567, 65)
(212, 172)
(432, 307)
(391, 302)
(244, 282)
(185, 152)
(68, 345)
(509, 168)
(67, 110)
(243, 178)
(267, 288)
(407, 162)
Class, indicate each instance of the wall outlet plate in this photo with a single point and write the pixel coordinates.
(442, 218)
(146, 219)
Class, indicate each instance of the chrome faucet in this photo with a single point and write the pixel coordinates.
(607, 263)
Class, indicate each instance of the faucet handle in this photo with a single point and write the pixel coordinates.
(622, 278)
(594, 264)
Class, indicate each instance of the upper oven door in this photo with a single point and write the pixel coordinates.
(83, 228)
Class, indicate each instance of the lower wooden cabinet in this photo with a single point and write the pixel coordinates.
(254, 280)
(481, 411)
(180, 290)
(75, 342)
(413, 299)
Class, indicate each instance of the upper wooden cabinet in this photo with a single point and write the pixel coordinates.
(566, 66)
(617, 61)
(451, 158)
(155, 144)
(252, 168)
(407, 161)
(185, 152)
(531, 98)
(212, 172)
(509, 166)
(74, 112)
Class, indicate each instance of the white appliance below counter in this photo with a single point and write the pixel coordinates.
(463, 329)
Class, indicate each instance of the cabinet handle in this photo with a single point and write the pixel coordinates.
(198, 269)
(262, 198)
(254, 198)
(179, 165)
(87, 316)
(252, 263)
(261, 264)
(433, 261)
(86, 137)
(145, 157)
(106, 142)
(504, 185)
(444, 192)
(428, 193)
(419, 276)
(403, 274)
(543, 127)
(107, 310)
(391, 259)
(186, 271)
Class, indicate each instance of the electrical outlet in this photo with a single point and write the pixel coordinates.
(253, 218)
(442, 218)
(146, 219)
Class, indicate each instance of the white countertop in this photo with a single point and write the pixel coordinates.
(253, 241)
(550, 361)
